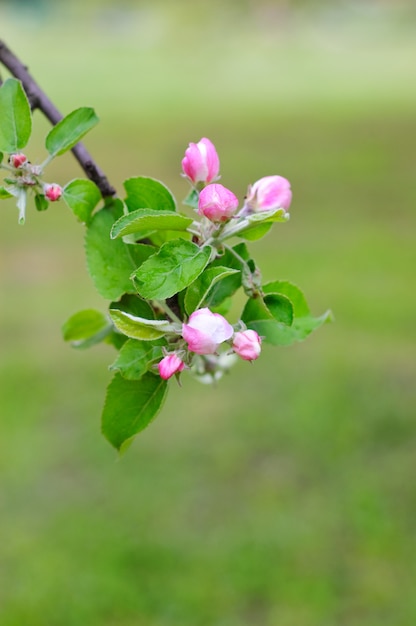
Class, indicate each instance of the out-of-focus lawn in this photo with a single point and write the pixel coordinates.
(285, 495)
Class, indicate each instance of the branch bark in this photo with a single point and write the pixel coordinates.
(39, 100)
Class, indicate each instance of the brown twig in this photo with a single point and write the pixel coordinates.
(39, 100)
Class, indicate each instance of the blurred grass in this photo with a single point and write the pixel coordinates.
(285, 495)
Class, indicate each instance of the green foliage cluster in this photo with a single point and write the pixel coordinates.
(156, 265)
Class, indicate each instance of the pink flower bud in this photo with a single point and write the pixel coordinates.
(53, 192)
(269, 193)
(247, 344)
(205, 331)
(201, 162)
(170, 365)
(17, 160)
(217, 203)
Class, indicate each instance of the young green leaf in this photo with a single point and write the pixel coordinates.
(82, 196)
(295, 295)
(149, 219)
(130, 406)
(256, 231)
(175, 266)
(197, 294)
(86, 328)
(275, 307)
(41, 202)
(139, 327)
(111, 262)
(280, 335)
(15, 116)
(4, 194)
(192, 199)
(148, 193)
(233, 258)
(133, 304)
(70, 130)
(258, 224)
(136, 357)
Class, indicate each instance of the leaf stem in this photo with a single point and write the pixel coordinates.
(162, 304)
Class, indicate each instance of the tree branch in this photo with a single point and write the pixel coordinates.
(39, 100)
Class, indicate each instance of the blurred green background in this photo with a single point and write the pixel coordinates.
(285, 496)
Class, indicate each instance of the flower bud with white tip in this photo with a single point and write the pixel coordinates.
(268, 194)
(205, 331)
(201, 162)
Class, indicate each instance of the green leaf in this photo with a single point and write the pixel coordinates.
(198, 292)
(15, 116)
(280, 335)
(136, 357)
(140, 327)
(111, 262)
(148, 193)
(273, 307)
(175, 266)
(130, 406)
(295, 295)
(134, 305)
(1, 157)
(86, 328)
(274, 215)
(4, 194)
(82, 196)
(256, 231)
(149, 219)
(192, 199)
(260, 223)
(41, 202)
(227, 287)
(70, 130)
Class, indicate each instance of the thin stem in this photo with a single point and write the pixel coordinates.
(237, 256)
(39, 100)
(163, 306)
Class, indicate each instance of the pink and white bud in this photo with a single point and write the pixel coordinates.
(217, 203)
(170, 365)
(53, 192)
(247, 344)
(201, 162)
(269, 193)
(205, 331)
(17, 160)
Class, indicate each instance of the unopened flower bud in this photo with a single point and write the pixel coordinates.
(217, 203)
(205, 331)
(247, 344)
(170, 365)
(52, 192)
(201, 162)
(17, 160)
(269, 193)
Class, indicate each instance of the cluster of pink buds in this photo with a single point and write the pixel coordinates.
(205, 331)
(217, 203)
(28, 175)
(203, 334)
